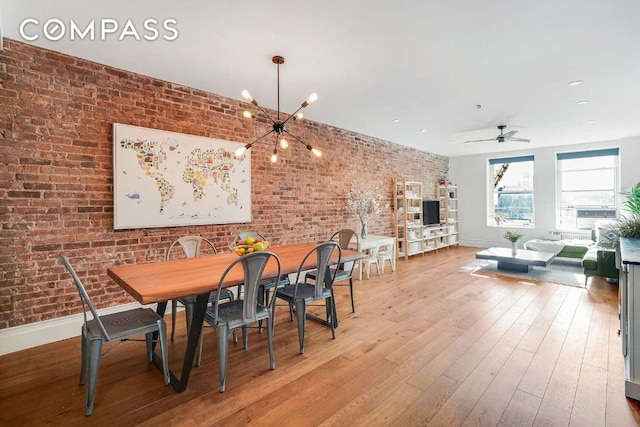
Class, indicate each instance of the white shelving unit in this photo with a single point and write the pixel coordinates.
(449, 223)
(408, 218)
(412, 237)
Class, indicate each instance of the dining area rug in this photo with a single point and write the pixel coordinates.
(563, 271)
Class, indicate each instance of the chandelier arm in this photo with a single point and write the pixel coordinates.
(265, 114)
(292, 115)
(261, 138)
(298, 139)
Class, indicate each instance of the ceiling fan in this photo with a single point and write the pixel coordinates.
(503, 136)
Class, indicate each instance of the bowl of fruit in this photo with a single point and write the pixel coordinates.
(249, 245)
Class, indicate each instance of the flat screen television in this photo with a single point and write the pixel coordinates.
(430, 212)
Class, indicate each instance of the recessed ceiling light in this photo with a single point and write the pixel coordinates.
(588, 122)
(396, 120)
(423, 130)
(575, 83)
(451, 140)
(582, 102)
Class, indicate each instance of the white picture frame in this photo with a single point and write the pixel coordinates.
(167, 179)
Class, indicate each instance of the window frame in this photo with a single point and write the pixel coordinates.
(493, 194)
(561, 210)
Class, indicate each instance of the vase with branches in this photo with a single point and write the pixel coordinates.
(364, 202)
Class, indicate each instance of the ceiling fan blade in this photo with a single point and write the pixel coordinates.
(481, 140)
(510, 133)
(518, 139)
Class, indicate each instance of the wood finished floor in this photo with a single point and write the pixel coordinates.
(430, 344)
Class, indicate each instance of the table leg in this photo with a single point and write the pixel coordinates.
(200, 306)
(393, 258)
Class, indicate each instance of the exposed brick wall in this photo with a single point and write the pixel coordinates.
(56, 116)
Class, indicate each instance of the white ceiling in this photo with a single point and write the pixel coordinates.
(428, 63)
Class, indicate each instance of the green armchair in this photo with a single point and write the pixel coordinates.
(600, 262)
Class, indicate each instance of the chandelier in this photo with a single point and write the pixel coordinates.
(278, 125)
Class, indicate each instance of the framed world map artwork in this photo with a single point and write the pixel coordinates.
(167, 179)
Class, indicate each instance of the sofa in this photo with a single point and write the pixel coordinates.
(596, 260)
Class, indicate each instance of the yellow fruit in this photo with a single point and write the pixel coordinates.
(259, 246)
(249, 240)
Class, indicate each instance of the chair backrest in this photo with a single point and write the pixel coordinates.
(387, 251)
(344, 237)
(190, 246)
(373, 253)
(253, 266)
(324, 275)
(84, 298)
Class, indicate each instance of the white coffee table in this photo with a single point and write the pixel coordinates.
(522, 261)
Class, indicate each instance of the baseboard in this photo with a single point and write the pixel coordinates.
(40, 333)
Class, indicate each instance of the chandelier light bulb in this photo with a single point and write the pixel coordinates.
(312, 98)
(246, 95)
(299, 116)
(240, 151)
(316, 152)
(283, 143)
(247, 114)
(274, 156)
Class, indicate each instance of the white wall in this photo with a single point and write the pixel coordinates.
(470, 173)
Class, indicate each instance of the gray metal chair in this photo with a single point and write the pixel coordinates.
(121, 326)
(267, 285)
(344, 271)
(191, 247)
(242, 312)
(299, 294)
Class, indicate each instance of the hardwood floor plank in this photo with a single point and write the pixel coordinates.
(521, 411)
(428, 403)
(458, 407)
(429, 344)
(557, 404)
(493, 403)
(543, 364)
(589, 407)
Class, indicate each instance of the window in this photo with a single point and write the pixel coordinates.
(587, 188)
(511, 191)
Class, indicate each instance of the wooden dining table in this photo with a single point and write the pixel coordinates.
(159, 282)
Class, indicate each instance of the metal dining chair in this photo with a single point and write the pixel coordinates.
(344, 271)
(299, 294)
(240, 313)
(121, 326)
(191, 247)
(267, 286)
